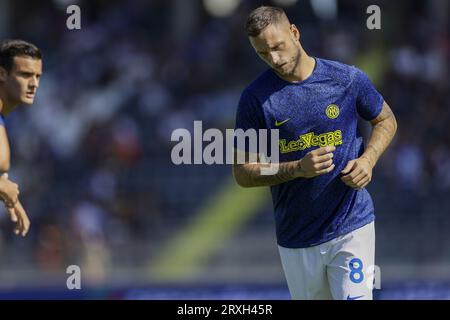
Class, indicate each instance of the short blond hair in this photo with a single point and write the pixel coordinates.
(263, 16)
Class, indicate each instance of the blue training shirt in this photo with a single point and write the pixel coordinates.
(321, 110)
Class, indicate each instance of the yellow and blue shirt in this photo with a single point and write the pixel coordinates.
(319, 111)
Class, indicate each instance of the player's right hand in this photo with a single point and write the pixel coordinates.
(9, 191)
(317, 162)
(19, 216)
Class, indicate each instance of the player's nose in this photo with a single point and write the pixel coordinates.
(34, 82)
(274, 58)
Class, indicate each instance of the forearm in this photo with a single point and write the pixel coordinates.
(257, 174)
(249, 174)
(4, 151)
(4, 166)
(381, 136)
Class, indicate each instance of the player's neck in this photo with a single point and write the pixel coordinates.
(304, 69)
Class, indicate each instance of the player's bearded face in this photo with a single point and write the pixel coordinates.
(279, 47)
(22, 82)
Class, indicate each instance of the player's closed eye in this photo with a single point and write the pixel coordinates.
(26, 75)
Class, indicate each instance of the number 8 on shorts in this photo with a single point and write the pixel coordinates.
(356, 270)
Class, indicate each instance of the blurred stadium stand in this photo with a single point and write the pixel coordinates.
(92, 155)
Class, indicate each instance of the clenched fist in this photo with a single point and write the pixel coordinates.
(317, 162)
(357, 173)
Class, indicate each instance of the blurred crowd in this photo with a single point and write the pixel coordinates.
(92, 155)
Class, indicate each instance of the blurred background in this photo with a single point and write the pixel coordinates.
(92, 155)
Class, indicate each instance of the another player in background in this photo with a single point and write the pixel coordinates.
(324, 216)
(20, 73)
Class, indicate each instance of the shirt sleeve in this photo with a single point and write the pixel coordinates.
(2, 121)
(369, 101)
(248, 116)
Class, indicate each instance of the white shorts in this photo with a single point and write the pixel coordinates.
(340, 269)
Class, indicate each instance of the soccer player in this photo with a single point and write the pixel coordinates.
(324, 216)
(20, 73)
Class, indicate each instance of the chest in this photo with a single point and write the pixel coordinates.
(310, 109)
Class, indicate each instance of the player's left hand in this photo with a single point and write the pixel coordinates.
(357, 173)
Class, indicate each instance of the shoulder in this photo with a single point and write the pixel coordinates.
(342, 73)
(260, 84)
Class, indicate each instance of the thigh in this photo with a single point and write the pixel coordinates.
(305, 273)
(350, 269)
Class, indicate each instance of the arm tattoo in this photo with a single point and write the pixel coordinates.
(249, 175)
(383, 131)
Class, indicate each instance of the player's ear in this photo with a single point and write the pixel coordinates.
(295, 32)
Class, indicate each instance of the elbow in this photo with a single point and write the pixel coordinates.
(394, 125)
(242, 183)
(238, 177)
